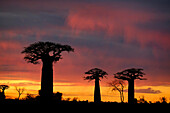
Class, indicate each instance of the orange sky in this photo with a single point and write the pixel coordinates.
(111, 35)
(84, 92)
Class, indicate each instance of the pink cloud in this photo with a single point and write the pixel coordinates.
(117, 21)
(93, 17)
(5, 45)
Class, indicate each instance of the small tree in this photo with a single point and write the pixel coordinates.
(3, 88)
(30, 97)
(20, 91)
(163, 100)
(96, 74)
(130, 75)
(118, 85)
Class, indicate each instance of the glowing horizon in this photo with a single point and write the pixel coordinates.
(85, 92)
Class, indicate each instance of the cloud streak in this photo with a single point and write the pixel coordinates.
(148, 90)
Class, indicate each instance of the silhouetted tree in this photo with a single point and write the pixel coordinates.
(130, 75)
(163, 100)
(48, 53)
(30, 97)
(95, 75)
(3, 88)
(119, 86)
(20, 91)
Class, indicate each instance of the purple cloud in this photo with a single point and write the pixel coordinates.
(148, 90)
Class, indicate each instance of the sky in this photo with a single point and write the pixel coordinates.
(112, 35)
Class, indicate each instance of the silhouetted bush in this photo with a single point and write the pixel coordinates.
(57, 96)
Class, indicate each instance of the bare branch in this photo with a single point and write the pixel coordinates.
(119, 86)
(20, 91)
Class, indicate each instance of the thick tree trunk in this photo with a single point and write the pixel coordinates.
(3, 94)
(46, 92)
(131, 91)
(97, 96)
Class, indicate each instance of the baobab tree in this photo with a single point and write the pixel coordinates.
(130, 75)
(96, 74)
(3, 88)
(47, 52)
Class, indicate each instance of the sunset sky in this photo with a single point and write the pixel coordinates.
(112, 35)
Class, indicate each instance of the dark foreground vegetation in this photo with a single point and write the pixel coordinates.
(36, 106)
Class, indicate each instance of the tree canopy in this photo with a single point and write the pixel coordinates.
(44, 50)
(95, 73)
(129, 74)
(3, 87)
